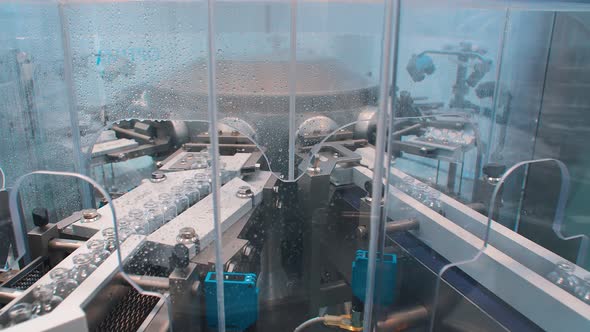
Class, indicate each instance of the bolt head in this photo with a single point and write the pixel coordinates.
(90, 215)
(187, 235)
(247, 251)
(230, 267)
(158, 176)
(244, 192)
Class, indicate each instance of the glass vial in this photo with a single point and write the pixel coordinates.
(192, 191)
(19, 313)
(83, 267)
(180, 199)
(97, 248)
(44, 299)
(64, 284)
(203, 183)
(563, 276)
(583, 290)
(153, 215)
(167, 206)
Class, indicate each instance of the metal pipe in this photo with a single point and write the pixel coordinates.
(9, 294)
(132, 134)
(405, 130)
(401, 225)
(65, 245)
(458, 53)
(403, 319)
(159, 283)
(392, 10)
(215, 181)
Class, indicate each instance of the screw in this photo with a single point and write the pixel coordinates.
(244, 192)
(158, 176)
(230, 267)
(90, 215)
(159, 164)
(247, 251)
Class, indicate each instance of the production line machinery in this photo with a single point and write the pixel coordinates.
(291, 250)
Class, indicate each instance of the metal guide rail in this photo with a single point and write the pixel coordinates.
(79, 310)
(512, 266)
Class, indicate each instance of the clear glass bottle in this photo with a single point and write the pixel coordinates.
(203, 183)
(44, 299)
(64, 284)
(192, 190)
(109, 238)
(180, 199)
(428, 135)
(97, 249)
(153, 215)
(83, 267)
(199, 161)
(167, 206)
(205, 154)
(582, 291)
(137, 218)
(563, 276)
(224, 174)
(421, 192)
(20, 312)
(433, 201)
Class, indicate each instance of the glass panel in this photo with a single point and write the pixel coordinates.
(448, 213)
(326, 165)
(35, 129)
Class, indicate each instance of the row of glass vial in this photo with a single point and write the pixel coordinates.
(447, 136)
(197, 160)
(202, 160)
(156, 213)
(422, 192)
(563, 276)
(63, 281)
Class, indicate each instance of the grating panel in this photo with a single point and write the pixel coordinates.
(129, 313)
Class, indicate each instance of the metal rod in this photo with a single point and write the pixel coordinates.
(65, 245)
(381, 143)
(159, 283)
(215, 181)
(9, 294)
(132, 134)
(292, 81)
(459, 53)
(401, 225)
(80, 163)
(497, 83)
(403, 319)
(405, 130)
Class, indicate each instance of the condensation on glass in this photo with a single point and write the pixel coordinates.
(382, 165)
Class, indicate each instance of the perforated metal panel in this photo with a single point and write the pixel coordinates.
(129, 313)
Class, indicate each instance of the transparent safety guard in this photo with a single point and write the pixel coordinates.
(294, 165)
